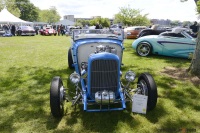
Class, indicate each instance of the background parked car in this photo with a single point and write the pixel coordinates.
(70, 29)
(154, 30)
(132, 32)
(25, 31)
(115, 26)
(177, 43)
(48, 31)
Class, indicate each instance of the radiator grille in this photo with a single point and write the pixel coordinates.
(104, 76)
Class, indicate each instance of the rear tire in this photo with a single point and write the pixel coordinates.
(57, 97)
(147, 87)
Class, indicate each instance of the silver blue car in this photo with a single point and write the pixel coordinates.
(177, 43)
(95, 56)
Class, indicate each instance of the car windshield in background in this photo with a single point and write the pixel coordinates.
(180, 34)
(96, 33)
(171, 34)
(26, 28)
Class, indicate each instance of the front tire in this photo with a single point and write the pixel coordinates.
(19, 33)
(144, 49)
(70, 60)
(147, 87)
(57, 97)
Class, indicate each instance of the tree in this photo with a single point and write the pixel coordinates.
(194, 68)
(50, 15)
(21, 8)
(186, 23)
(82, 22)
(105, 22)
(198, 7)
(129, 16)
(175, 23)
(187, 0)
(11, 7)
(28, 11)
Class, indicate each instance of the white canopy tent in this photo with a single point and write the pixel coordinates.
(7, 17)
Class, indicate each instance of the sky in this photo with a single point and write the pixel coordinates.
(156, 9)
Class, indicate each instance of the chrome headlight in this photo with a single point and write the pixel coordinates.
(130, 76)
(75, 78)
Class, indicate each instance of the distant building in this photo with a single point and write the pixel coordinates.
(95, 17)
(65, 22)
(76, 19)
(161, 21)
(69, 17)
(72, 18)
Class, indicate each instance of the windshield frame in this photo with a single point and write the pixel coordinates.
(78, 34)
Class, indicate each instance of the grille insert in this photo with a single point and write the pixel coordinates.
(104, 76)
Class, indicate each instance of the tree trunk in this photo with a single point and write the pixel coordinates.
(194, 68)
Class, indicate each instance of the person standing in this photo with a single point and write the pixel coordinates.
(58, 30)
(6, 28)
(13, 30)
(100, 26)
(195, 29)
(97, 26)
(62, 29)
(36, 28)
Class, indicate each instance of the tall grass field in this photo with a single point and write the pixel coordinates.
(28, 64)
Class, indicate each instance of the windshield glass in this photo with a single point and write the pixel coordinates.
(97, 33)
(187, 35)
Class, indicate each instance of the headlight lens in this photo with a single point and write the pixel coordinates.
(130, 76)
(75, 78)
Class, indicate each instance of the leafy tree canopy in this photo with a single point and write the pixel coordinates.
(50, 15)
(129, 16)
(26, 10)
(11, 7)
(105, 22)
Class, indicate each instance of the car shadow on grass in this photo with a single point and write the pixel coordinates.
(109, 121)
(101, 121)
(25, 96)
(185, 101)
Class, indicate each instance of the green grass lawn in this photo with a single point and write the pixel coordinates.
(28, 65)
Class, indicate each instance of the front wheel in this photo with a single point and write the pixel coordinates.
(19, 33)
(143, 49)
(57, 97)
(70, 60)
(147, 87)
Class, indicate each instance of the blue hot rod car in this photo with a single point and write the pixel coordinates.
(96, 57)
